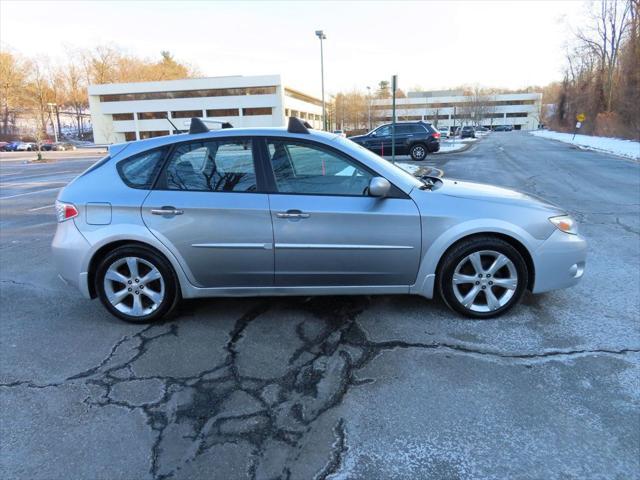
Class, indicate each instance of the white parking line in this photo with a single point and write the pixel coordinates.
(52, 174)
(29, 193)
(41, 208)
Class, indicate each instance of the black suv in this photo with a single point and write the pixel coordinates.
(468, 132)
(412, 138)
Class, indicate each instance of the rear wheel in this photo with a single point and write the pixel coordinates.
(137, 285)
(483, 277)
(418, 152)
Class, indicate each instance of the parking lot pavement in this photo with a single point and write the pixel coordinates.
(332, 387)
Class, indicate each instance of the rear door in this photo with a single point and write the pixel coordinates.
(328, 231)
(206, 207)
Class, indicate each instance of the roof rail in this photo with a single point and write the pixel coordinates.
(298, 126)
(198, 125)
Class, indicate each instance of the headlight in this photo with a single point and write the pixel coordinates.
(565, 223)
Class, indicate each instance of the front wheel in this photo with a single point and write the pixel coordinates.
(418, 152)
(137, 285)
(483, 277)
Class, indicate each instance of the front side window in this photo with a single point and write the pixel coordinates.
(313, 170)
(140, 170)
(214, 166)
(384, 131)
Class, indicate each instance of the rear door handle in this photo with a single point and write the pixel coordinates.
(166, 211)
(292, 214)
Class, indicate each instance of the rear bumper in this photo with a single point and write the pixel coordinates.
(433, 147)
(559, 262)
(69, 248)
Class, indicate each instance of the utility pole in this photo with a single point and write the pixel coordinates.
(369, 104)
(394, 86)
(55, 131)
(320, 34)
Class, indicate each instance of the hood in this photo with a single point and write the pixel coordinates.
(491, 193)
(357, 138)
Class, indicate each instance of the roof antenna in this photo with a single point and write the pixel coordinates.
(173, 125)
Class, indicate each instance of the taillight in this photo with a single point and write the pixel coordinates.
(436, 135)
(65, 211)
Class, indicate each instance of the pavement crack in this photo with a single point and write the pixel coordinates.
(338, 452)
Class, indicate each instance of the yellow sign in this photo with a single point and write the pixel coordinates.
(580, 117)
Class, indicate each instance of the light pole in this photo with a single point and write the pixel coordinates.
(320, 34)
(55, 132)
(369, 104)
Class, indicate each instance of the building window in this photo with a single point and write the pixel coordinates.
(257, 111)
(186, 114)
(295, 113)
(119, 117)
(152, 134)
(152, 115)
(516, 114)
(223, 112)
(213, 92)
(287, 112)
(303, 115)
(129, 136)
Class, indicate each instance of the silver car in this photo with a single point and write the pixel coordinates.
(275, 211)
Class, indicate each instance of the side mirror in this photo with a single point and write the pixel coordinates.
(379, 187)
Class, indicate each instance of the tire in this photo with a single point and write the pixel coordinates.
(124, 297)
(492, 291)
(418, 151)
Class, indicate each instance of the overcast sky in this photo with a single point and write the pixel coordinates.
(432, 44)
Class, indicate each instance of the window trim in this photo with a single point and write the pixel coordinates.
(272, 186)
(160, 182)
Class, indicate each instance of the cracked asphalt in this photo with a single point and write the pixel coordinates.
(331, 387)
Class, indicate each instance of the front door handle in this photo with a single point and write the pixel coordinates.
(292, 214)
(166, 211)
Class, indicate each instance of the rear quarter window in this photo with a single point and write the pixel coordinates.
(140, 171)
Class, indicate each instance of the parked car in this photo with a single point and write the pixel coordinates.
(275, 211)
(340, 132)
(444, 132)
(482, 130)
(11, 146)
(454, 131)
(26, 147)
(62, 146)
(411, 138)
(467, 132)
(503, 128)
(3, 146)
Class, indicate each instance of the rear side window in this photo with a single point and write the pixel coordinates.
(212, 166)
(139, 171)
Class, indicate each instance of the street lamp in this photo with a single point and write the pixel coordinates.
(320, 34)
(55, 132)
(369, 104)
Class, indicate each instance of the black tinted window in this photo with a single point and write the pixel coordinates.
(140, 170)
(418, 129)
(309, 169)
(384, 131)
(216, 166)
(403, 129)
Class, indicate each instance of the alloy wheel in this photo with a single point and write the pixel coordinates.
(134, 286)
(485, 281)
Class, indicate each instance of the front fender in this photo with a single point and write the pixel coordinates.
(425, 282)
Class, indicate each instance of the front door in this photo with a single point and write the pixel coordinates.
(207, 207)
(328, 231)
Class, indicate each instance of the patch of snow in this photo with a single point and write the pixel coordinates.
(616, 146)
(447, 146)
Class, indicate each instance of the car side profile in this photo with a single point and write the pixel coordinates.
(275, 211)
(411, 138)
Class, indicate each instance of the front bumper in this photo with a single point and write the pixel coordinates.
(69, 248)
(559, 262)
